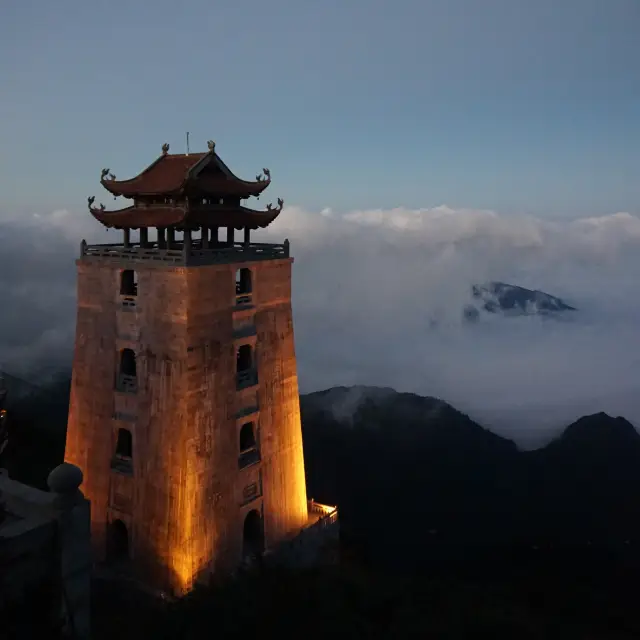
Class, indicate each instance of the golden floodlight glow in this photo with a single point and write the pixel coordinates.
(187, 552)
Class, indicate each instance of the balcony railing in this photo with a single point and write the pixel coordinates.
(245, 330)
(122, 465)
(250, 492)
(248, 457)
(127, 384)
(328, 515)
(246, 378)
(179, 253)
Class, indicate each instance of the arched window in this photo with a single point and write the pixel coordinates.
(127, 380)
(252, 535)
(117, 542)
(243, 286)
(128, 283)
(246, 374)
(247, 437)
(128, 363)
(124, 445)
(244, 358)
(249, 452)
(243, 280)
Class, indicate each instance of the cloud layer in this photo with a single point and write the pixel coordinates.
(368, 286)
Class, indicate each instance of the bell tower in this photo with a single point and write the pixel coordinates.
(184, 407)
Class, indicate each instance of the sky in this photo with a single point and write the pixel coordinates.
(524, 106)
(420, 148)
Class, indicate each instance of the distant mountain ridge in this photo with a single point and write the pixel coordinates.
(441, 479)
(15, 387)
(512, 300)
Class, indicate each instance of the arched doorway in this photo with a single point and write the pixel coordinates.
(252, 535)
(117, 542)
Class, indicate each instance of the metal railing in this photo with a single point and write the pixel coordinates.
(127, 384)
(250, 492)
(179, 253)
(245, 330)
(328, 515)
(122, 465)
(248, 457)
(246, 378)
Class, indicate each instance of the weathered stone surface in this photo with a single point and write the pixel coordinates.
(183, 504)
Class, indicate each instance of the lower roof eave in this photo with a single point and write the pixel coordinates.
(180, 217)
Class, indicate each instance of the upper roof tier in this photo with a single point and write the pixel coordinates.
(194, 174)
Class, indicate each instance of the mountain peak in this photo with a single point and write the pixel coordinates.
(596, 437)
(512, 300)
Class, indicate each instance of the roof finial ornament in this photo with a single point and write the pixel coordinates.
(264, 178)
(91, 200)
(211, 145)
(103, 174)
(271, 208)
(165, 149)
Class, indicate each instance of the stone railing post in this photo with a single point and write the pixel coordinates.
(186, 244)
(74, 544)
(286, 247)
(83, 248)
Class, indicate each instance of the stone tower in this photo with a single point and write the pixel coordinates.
(184, 408)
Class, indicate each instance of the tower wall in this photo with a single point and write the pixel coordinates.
(185, 501)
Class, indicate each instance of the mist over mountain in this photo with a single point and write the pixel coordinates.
(378, 300)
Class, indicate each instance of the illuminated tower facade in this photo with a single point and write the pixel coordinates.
(184, 408)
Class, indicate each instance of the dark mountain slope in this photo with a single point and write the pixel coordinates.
(587, 482)
(412, 474)
(408, 470)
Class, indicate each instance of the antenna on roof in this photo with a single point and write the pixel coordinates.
(187, 143)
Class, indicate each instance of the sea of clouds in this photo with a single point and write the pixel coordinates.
(378, 300)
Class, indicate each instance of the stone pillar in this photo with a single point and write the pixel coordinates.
(144, 236)
(214, 236)
(162, 243)
(230, 236)
(247, 236)
(127, 238)
(205, 237)
(186, 246)
(74, 539)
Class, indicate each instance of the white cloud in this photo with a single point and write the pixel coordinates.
(369, 284)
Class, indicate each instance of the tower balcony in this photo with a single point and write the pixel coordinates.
(185, 254)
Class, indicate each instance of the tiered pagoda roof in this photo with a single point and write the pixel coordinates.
(186, 190)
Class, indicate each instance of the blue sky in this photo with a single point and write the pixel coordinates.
(513, 105)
